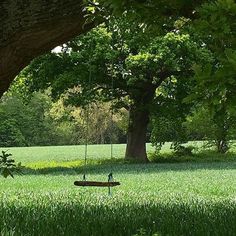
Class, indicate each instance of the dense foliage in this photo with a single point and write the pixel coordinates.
(40, 121)
(144, 63)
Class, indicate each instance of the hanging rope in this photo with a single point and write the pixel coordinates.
(110, 182)
(87, 125)
(112, 112)
(110, 175)
(86, 136)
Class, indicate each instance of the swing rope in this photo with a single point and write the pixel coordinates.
(110, 183)
(110, 175)
(112, 113)
(87, 126)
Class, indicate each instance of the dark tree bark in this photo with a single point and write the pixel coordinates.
(32, 27)
(136, 138)
(222, 146)
(222, 121)
(138, 123)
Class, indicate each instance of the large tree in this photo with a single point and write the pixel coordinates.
(125, 62)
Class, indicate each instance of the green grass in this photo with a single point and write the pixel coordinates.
(65, 153)
(189, 198)
(68, 153)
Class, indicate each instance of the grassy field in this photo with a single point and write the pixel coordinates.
(68, 153)
(155, 199)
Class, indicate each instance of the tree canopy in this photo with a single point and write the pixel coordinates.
(49, 23)
(120, 63)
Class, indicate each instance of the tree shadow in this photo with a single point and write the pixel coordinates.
(119, 167)
(117, 218)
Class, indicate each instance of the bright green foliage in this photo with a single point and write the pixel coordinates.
(8, 166)
(91, 61)
(215, 83)
(39, 121)
(174, 54)
(205, 125)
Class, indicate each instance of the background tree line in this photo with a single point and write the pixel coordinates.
(39, 121)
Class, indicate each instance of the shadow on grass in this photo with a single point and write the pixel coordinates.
(118, 218)
(163, 164)
(200, 157)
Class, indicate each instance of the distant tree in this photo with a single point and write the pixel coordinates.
(36, 120)
(10, 134)
(98, 124)
(25, 124)
(10, 118)
(216, 127)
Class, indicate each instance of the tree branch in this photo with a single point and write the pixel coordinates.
(31, 28)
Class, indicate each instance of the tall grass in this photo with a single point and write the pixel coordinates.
(163, 199)
(66, 213)
(65, 153)
(189, 198)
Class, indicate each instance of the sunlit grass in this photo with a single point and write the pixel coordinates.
(188, 198)
(65, 153)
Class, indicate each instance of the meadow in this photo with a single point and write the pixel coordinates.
(186, 198)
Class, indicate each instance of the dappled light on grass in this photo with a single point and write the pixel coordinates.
(94, 213)
(162, 199)
(175, 196)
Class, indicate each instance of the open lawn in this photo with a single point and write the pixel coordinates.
(68, 153)
(155, 199)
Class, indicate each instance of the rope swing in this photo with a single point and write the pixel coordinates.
(110, 182)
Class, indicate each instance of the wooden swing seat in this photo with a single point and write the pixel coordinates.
(96, 184)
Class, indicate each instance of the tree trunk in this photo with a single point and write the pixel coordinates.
(30, 28)
(138, 123)
(222, 146)
(222, 122)
(136, 139)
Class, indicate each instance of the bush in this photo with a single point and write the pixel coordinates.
(7, 165)
(181, 150)
(10, 134)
